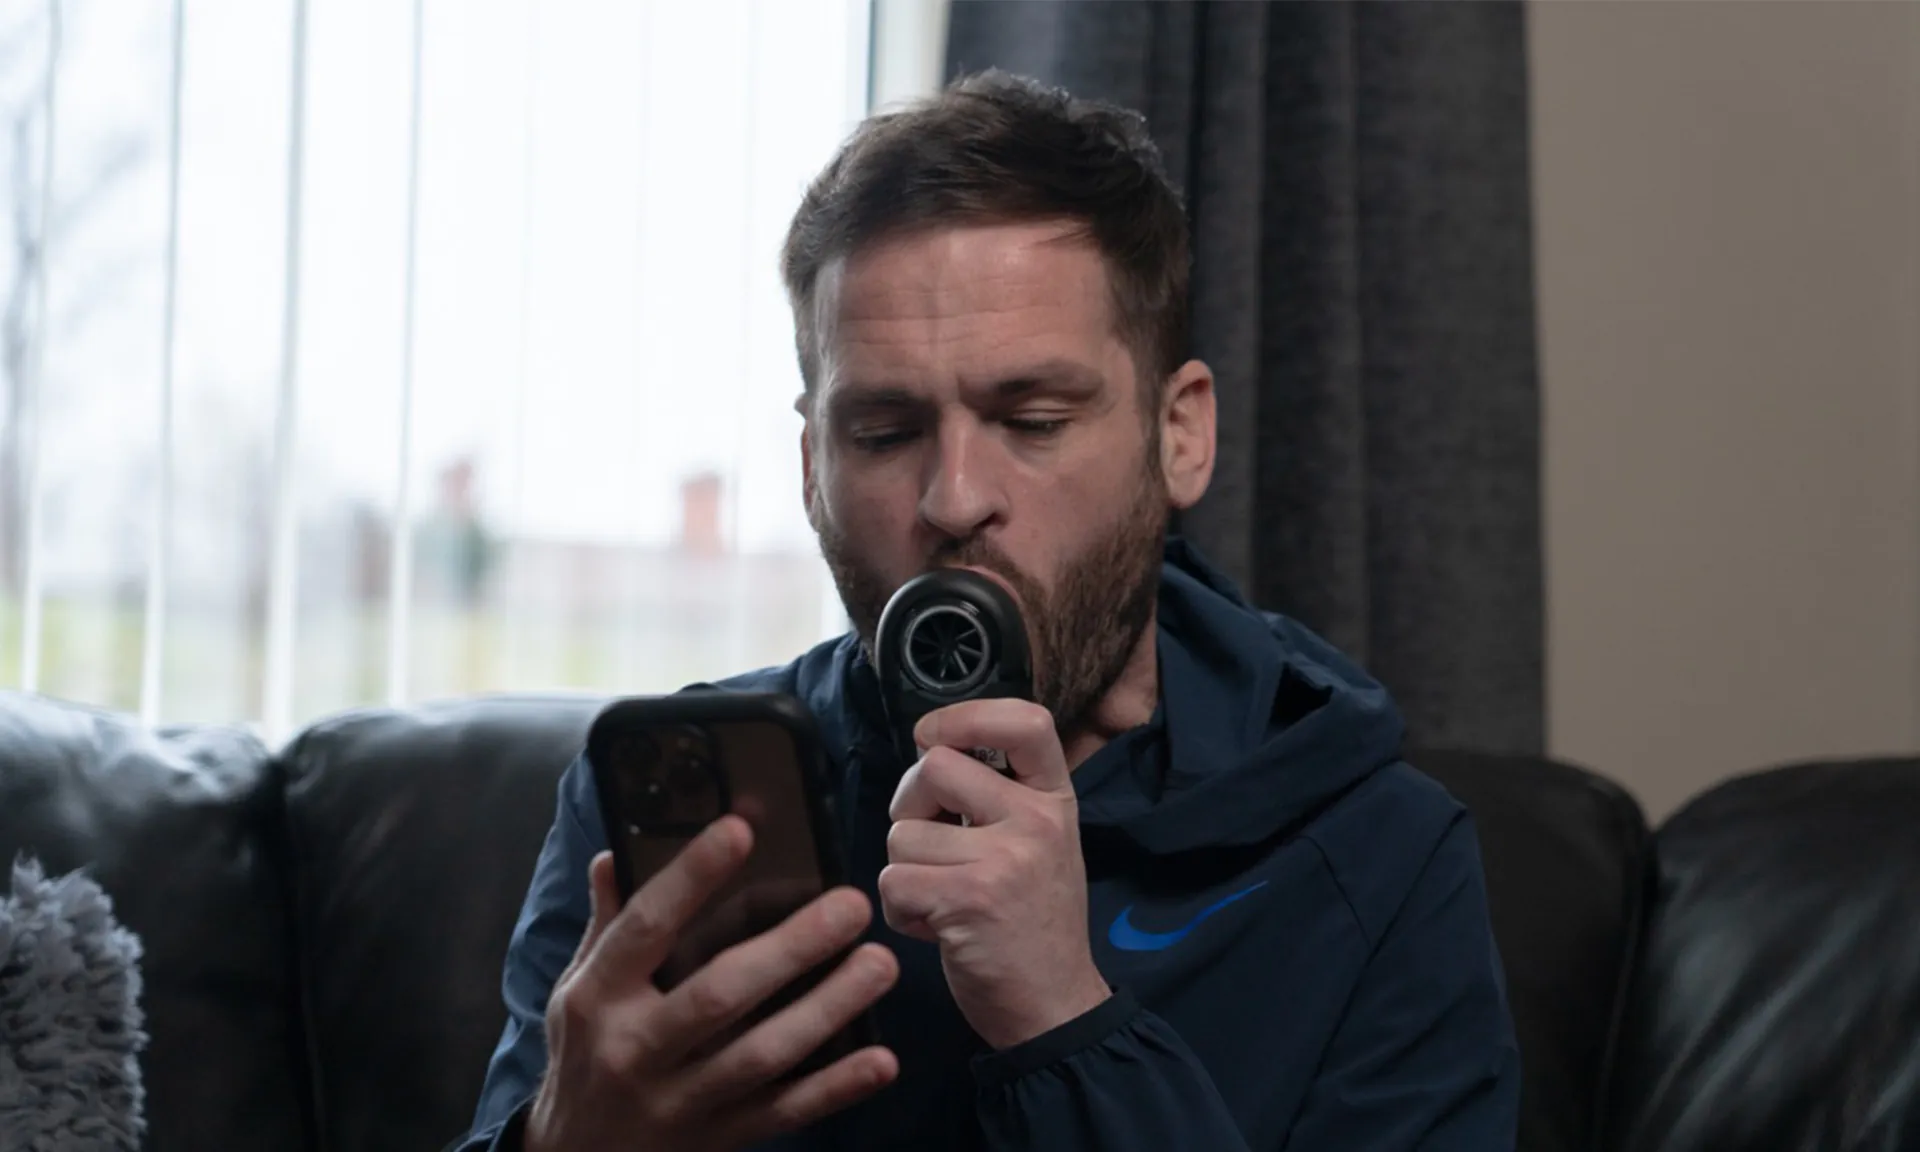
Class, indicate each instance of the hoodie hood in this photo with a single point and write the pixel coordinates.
(1260, 725)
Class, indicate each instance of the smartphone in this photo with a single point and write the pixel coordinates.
(668, 766)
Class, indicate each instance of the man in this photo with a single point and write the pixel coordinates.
(1211, 909)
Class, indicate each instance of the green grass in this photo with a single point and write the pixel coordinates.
(91, 651)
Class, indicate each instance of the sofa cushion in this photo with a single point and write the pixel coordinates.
(1777, 1003)
(413, 835)
(1564, 852)
(177, 827)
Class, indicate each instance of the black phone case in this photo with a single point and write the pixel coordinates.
(719, 706)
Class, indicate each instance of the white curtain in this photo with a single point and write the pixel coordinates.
(366, 351)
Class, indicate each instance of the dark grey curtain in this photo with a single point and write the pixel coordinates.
(1358, 185)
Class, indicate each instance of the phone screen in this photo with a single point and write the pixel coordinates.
(665, 779)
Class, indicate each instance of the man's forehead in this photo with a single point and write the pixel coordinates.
(974, 360)
(994, 297)
(975, 266)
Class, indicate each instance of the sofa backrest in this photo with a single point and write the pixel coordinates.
(175, 825)
(411, 837)
(324, 929)
(1776, 1002)
(1565, 852)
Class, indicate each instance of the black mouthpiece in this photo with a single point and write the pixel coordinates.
(947, 636)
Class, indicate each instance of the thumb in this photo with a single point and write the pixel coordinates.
(603, 894)
(1022, 732)
(604, 898)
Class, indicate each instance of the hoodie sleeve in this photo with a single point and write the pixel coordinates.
(1425, 1057)
(1117, 1079)
(553, 918)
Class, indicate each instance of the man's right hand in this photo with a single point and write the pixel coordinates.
(632, 1067)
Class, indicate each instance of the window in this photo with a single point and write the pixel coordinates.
(366, 351)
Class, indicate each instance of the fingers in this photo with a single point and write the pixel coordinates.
(640, 936)
(1021, 729)
(933, 842)
(840, 1085)
(740, 978)
(756, 907)
(946, 781)
(909, 897)
(778, 1044)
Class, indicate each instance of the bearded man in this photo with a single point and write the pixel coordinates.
(1209, 908)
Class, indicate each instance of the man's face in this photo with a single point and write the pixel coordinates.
(975, 408)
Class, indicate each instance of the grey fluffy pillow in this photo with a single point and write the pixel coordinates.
(70, 1021)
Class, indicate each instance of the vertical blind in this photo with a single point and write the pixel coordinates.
(365, 351)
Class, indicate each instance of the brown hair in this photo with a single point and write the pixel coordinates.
(995, 148)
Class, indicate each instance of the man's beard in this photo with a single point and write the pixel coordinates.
(1082, 631)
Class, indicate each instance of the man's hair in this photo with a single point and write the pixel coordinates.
(999, 149)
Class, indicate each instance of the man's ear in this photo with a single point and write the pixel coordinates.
(1187, 433)
(806, 464)
(807, 481)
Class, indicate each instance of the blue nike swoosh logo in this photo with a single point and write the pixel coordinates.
(1124, 936)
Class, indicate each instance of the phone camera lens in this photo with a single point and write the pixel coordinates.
(671, 778)
(690, 770)
(638, 761)
(687, 776)
(653, 805)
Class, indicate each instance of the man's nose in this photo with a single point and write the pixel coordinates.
(960, 494)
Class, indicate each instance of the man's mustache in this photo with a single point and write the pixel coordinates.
(979, 554)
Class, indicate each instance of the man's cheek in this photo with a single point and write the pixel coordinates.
(882, 532)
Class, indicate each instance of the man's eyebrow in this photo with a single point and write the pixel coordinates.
(1069, 378)
(849, 399)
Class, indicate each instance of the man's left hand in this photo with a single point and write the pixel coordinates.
(1005, 896)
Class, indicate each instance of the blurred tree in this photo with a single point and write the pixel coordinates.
(25, 57)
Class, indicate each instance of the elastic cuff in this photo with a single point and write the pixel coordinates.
(1083, 1031)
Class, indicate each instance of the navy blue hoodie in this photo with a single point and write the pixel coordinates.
(1293, 919)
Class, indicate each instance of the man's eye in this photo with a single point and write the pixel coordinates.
(1039, 427)
(880, 441)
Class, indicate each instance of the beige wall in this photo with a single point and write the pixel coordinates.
(1728, 223)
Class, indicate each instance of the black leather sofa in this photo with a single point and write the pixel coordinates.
(324, 927)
